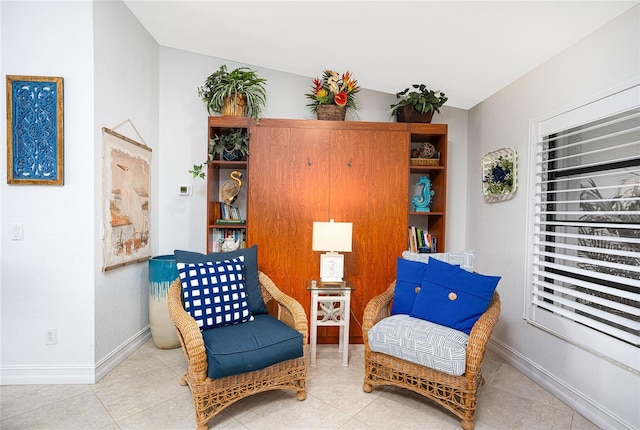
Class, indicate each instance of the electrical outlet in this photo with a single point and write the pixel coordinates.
(52, 336)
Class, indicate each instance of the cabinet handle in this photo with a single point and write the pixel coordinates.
(308, 162)
(349, 164)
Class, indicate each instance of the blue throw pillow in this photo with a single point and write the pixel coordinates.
(409, 276)
(213, 293)
(452, 297)
(252, 284)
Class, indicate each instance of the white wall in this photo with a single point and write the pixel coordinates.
(183, 141)
(601, 391)
(126, 89)
(113, 71)
(47, 278)
(53, 278)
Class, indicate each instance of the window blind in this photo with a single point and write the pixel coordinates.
(584, 277)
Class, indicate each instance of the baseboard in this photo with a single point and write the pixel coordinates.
(46, 375)
(55, 375)
(577, 401)
(107, 364)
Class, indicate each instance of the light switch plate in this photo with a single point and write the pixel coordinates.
(17, 232)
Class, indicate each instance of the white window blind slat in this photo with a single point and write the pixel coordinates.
(564, 302)
(620, 334)
(578, 294)
(585, 221)
(602, 276)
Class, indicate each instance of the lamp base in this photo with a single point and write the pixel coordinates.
(331, 267)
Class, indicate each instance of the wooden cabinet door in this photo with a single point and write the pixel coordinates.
(387, 221)
(350, 178)
(309, 186)
(300, 173)
(269, 220)
(368, 188)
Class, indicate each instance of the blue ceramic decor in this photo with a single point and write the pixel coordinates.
(422, 203)
(162, 272)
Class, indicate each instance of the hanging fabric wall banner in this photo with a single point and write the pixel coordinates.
(126, 199)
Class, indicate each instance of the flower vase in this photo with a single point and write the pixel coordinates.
(331, 112)
(162, 273)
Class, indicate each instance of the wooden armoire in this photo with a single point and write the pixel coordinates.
(301, 171)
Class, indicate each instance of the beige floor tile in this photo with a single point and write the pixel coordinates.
(342, 387)
(355, 424)
(80, 412)
(143, 393)
(398, 408)
(173, 414)
(124, 397)
(505, 410)
(509, 379)
(281, 413)
(18, 399)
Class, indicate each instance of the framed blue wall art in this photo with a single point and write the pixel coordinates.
(35, 132)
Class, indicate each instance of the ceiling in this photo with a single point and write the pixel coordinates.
(468, 49)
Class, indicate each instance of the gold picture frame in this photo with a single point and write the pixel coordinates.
(35, 130)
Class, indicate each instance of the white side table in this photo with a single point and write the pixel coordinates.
(330, 306)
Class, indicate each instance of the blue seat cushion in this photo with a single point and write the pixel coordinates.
(422, 342)
(250, 346)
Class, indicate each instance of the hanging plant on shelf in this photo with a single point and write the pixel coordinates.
(227, 146)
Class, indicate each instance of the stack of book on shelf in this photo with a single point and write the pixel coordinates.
(421, 241)
(227, 214)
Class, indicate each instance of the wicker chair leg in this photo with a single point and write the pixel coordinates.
(301, 395)
(367, 388)
(183, 380)
(467, 423)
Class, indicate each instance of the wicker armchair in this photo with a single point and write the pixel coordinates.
(210, 396)
(458, 394)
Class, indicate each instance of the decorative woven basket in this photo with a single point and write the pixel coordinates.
(331, 112)
(425, 161)
(409, 114)
(234, 106)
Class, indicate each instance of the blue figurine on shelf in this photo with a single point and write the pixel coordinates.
(422, 203)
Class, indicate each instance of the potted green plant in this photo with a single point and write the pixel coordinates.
(230, 146)
(417, 105)
(240, 92)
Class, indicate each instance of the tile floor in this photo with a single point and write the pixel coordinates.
(143, 393)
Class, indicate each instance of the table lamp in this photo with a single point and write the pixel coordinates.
(333, 237)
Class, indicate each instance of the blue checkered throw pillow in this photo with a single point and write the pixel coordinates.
(214, 294)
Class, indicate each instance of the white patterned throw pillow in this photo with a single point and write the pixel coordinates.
(465, 259)
(214, 293)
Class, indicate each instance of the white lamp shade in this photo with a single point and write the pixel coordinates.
(332, 236)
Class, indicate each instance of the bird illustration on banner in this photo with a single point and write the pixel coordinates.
(131, 205)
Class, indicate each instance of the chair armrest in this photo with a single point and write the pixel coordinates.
(290, 311)
(480, 334)
(188, 333)
(378, 308)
